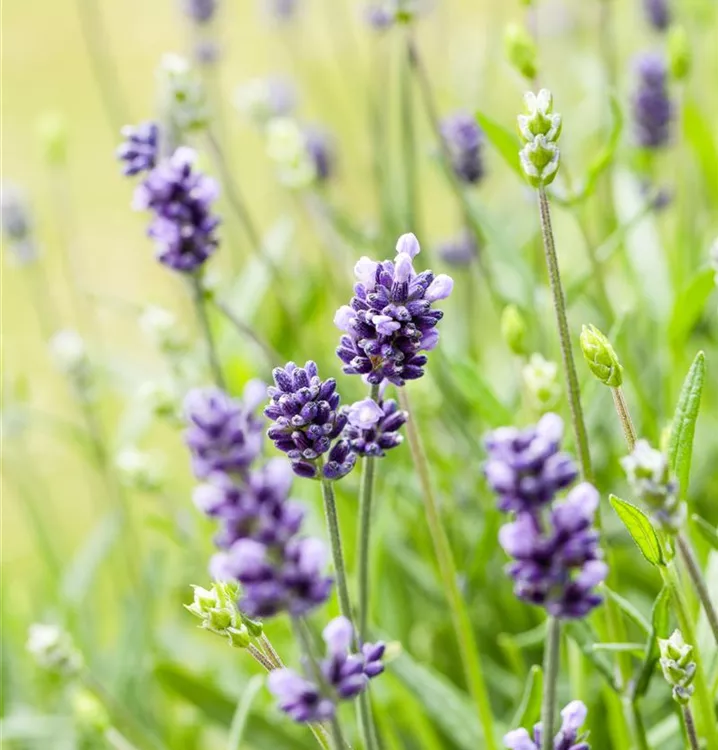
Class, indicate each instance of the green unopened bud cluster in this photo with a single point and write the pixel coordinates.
(600, 357)
(520, 50)
(53, 650)
(679, 53)
(513, 330)
(541, 383)
(540, 129)
(677, 665)
(182, 96)
(217, 608)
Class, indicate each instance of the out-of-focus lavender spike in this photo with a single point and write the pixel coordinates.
(652, 106)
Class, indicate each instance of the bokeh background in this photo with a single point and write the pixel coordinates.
(64, 552)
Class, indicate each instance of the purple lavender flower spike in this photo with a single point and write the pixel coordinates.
(390, 319)
(183, 226)
(200, 11)
(378, 17)
(373, 428)
(568, 738)
(223, 434)
(299, 698)
(460, 251)
(373, 654)
(652, 106)
(281, 10)
(658, 13)
(525, 467)
(557, 567)
(464, 139)
(140, 149)
(321, 152)
(307, 420)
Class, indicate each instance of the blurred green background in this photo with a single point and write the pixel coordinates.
(101, 272)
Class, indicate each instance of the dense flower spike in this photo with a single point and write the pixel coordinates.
(140, 149)
(181, 200)
(390, 319)
(307, 422)
(223, 434)
(459, 251)
(464, 139)
(373, 428)
(17, 224)
(652, 106)
(345, 675)
(677, 666)
(569, 736)
(658, 13)
(558, 568)
(200, 11)
(540, 129)
(649, 476)
(320, 150)
(525, 467)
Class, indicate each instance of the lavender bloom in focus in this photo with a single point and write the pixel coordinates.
(658, 13)
(200, 11)
(460, 251)
(373, 428)
(652, 106)
(307, 420)
(390, 319)
(525, 467)
(223, 433)
(559, 566)
(464, 139)
(140, 149)
(569, 736)
(183, 226)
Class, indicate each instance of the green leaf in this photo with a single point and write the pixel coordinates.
(683, 429)
(528, 712)
(706, 530)
(641, 529)
(689, 306)
(637, 649)
(659, 628)
(700, 133)
(479, 394)
(241, 714)
(628, 609)
(582, 635)
(503, 140)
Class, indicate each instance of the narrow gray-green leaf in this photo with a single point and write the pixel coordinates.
(683, 429)
(244, 705)
(641, 529)
(659, 628)
(706, 530)
(637, 649)
(528, 711)
(503, 140)
(689, 306)
(628, 609)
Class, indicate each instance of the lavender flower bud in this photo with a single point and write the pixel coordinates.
(679, 53)
(263, 99)
(139, 470)
(218, 611)
(140, 150)
(658, 13)
(300, 699)
(649, 476)
(53, 650)
(464, 140)
(600, 357)
(513, 330)
(321, 152)
(521, 50)
(459, 251)
(541, 383)
(183, 99)
(378, 16)
(307, 420)
(652, 106)
(199, 11)
(373, 427)
(678, 668)
(180, 198)
(540, 120)
(525, 467)
(390, 319)
(17, 225)
(540, 161)
(569, 737)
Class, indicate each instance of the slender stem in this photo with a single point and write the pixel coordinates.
(261, 658)
(470, 656)
(408, 141)
(271, 651)
(201, 309)
(703, 697)
(624, 415)
(335, 541)
(691, 728)
(639, 728)
(569, 366)
(550, 678)
(688, 556)
(244, 329)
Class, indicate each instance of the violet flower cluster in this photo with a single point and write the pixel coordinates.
(259, 536)
(390, 320)
(569, 736)
(652, 105)
(180, 198)
(464, 140)
(557, 559)
(140, 149)
(344, 675)
(658, 13)
(373, 427)
(200, 11)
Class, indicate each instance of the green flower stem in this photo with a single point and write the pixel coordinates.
(624, 416)
(703, 698)
(569, 366)
(271, 651)
(261, 658)
(688, 555)
(270, 354)
(408, 140)
(203, 319)
(470, 655)
(335, 542)
(691, 728)
(552, 653)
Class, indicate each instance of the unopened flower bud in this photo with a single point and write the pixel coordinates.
(217, 608)
(679, 53)
(138, 470)
(183, 100)
(540, 161)
(513, 329)
(541, 383)
(287, 148)
(677, 665)
(541, 119)
(53, 650)
(52, 135)
(600, 357)
(520, 50)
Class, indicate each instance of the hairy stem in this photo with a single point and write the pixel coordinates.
(203, 319)
(624, 416)
(691, 728)
(335, 542)
(470, 656)
(550, 678)
(569, 366)
(688, 555)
